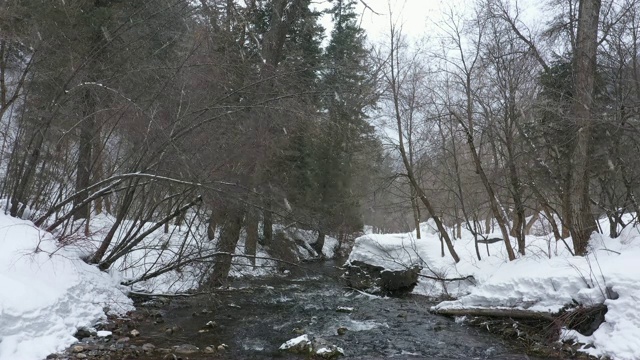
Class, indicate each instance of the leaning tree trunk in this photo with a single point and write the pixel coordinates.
(582, 221)
(493, 200)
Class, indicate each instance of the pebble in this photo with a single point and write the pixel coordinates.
(186, 349)
(81, 356)
(223, 347)
(209, 350)
(135, 333)
(342, 330)
(148, 347)
(77, 349)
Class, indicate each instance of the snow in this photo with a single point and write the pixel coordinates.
(326, 351)
(47, 292)
(295, 342)
(547, 278)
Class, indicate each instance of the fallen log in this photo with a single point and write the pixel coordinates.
(497, 312)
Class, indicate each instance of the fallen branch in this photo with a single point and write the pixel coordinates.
(469, 277)
(497, 312)
(143, 294)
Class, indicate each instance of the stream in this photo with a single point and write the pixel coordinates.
(255, 316)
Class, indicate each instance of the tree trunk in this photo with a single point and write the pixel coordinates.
(267, 226)
(229, 236)
(319, 244)
(529, 225)
(251, 242)
(405, 159)
(106, 242)
(211, 226)
(582, 222)
(493, 201)
(416, 212)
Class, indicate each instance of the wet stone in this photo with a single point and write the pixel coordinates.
(186, 349)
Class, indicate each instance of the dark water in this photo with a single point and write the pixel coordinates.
(256, 316)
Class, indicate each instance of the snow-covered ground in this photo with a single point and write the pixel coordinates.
(47, 292)
(545, 279)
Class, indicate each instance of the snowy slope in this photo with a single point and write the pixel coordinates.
(545, 279)
(46, 293)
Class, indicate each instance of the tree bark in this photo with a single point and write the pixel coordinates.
(416, 212)
(319, 244)
(251, 242)
(267, 226)
(582, 221)
(510, 313)
(229, 236)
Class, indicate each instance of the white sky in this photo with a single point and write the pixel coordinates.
(415, 16)
(418, 17)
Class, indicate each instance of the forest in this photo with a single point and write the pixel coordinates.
(248, 113)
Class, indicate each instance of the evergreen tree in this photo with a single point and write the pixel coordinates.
(348, 91)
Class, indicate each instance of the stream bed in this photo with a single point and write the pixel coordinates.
(253, 317)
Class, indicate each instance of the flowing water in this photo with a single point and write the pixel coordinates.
(254, 317)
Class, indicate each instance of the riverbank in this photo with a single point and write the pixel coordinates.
(545, 281)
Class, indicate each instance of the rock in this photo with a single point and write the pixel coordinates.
(211, 324)
(330, 352)
(123, 339)
(342, 330)
(363, 276)
(52, 356)
(77, 349)
(135, 333)
(186, 349)
(298, 331)
(168, 331)
(209, 350)
(222, 347)
(205, 311)
(83, 333)
(148, 347)
(81, 356)
(299, 345)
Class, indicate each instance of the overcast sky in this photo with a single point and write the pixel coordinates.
(415, 16)
(418, 17)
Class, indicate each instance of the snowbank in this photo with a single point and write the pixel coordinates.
(47, 292)
(545, 279)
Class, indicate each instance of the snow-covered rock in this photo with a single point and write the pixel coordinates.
(300, 345)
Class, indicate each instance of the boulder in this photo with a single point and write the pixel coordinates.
(376, 279)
